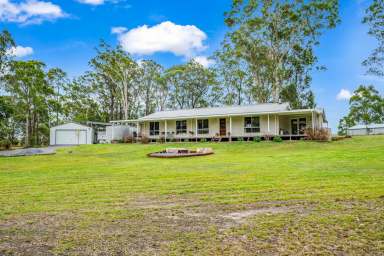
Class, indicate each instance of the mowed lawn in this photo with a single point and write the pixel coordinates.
(267, 198)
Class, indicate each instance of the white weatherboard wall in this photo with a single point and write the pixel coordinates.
(119, 132)
(71, 134)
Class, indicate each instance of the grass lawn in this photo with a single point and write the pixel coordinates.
(289, 198)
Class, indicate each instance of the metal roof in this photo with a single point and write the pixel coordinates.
(70, 122)
(225, 111)
(368, 126)
(217, 111)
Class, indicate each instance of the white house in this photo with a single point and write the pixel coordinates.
(369, 129)
(231, 122)
(71, 134)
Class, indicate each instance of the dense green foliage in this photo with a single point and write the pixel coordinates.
(276, 40)
(297, 198)
(375, 20)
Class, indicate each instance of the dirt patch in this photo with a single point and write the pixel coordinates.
(242, 215)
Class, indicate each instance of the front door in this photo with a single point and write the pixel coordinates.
(223, 127)
(294, 127)
(298, 126)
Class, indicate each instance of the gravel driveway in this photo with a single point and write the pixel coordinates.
(29, 151)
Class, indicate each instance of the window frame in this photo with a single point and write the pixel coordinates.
(203, 130)
(152, 128)
(180, 129)
(250, 127)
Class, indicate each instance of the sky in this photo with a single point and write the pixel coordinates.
(65, 33)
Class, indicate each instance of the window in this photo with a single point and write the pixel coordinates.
(154, 128)
(181, 127)
(251, 124)
(202, 126)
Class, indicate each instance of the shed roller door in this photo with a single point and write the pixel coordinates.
(71, 137)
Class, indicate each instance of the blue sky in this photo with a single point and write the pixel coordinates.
(65, 33)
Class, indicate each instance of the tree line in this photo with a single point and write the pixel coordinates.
(267, 55)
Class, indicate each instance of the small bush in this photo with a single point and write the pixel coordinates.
(240, 139)
(186, 140)
(203, 140)
(6, 144)
(144, 140)
(128, 139)
(256, 139)
(277, 139)
(317, 134)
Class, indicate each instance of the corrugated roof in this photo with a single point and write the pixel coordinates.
(218, 111)
(368, 126)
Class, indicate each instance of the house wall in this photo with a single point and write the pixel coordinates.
(214, 127)
(276, 124)
(119, 132)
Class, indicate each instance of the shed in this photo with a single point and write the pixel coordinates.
(71, 134)
(369, 129)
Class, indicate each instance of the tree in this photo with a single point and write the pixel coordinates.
(120, 73)
(276, 38)
(191, 85)
(9, 125)
(27, 83)
(234, 78)
(151, 85)
(57, 79)
(366, 106)
(6, 42)
(375, 20)
(80, 102)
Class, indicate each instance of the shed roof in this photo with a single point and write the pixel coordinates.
(70, 124)
(368, 126)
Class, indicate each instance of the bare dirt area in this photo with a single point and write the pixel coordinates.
(149, 226)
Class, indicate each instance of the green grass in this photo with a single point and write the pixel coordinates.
(292, 198)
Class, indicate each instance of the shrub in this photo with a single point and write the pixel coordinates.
(256, 139)
(186, 140)
(6, 143)
(277, 139)
(317, 134)
(240, 139)
(144, 140)
(128, 139)
(203, 140)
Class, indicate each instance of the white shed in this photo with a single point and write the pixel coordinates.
(71, 134)
(370, 129)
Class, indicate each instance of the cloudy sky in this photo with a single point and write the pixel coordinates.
(65, 33)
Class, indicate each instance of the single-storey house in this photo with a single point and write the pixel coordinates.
(369, 129)
(229, 122)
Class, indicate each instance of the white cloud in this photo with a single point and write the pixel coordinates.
(29, 11)
(20, 51)
(101, 2)
(91, 2)
(203, 60)
(344, 94)
(164, 37)
(118, 30)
